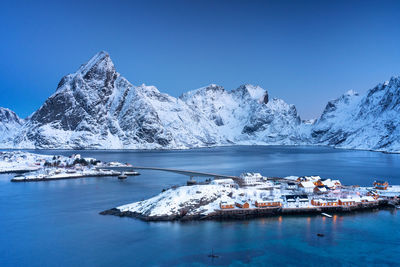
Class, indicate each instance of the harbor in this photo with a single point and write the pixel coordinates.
(252, 195)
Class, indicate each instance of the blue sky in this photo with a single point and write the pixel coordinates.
(305, 52)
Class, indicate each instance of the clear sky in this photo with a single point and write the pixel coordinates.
(305, 52)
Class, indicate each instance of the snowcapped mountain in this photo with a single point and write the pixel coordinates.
(9, 125)
(97, 108)
(369, 122)
(246, 115)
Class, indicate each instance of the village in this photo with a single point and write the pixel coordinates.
(253, 195)
(219, 196)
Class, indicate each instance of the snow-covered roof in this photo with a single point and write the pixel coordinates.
(322, 188)
(307, 184)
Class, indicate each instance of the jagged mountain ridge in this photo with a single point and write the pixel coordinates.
(97, 108)
(370, 122)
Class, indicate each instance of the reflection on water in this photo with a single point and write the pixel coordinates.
(57, 222)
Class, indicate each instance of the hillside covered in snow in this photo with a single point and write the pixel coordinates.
(97, 108)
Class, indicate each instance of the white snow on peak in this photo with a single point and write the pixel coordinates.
(351, 93)
(256, 92)
(98, 108)
(101, 58)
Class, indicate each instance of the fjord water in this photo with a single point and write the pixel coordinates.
(57, 223)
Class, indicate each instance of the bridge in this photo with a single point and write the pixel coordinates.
(188, 173)
(183, 172)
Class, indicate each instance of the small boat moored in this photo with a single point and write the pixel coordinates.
(320, 235)
(122, 176)
(326, 215)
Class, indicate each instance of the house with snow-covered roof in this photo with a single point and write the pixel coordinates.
(307, 186)
(250, 178)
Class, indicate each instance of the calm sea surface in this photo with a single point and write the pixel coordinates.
(56, 223)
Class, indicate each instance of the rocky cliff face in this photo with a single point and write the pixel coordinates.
(96, 107)
(10, 123)
(368, 122)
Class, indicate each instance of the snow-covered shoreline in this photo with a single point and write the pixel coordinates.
(40, 167)
(227, 199)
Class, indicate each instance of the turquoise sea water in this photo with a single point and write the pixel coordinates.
(56, 223)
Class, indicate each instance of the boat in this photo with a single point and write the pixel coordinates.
(320, 235)
(212, 255)
(122, 176)
(326, 215)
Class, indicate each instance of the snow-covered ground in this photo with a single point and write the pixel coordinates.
(206, 198)
(17, 161)
(53, 167)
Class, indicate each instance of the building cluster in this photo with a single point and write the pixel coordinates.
(294, 193)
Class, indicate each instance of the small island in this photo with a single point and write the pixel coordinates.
(31, 167)
(253, 195)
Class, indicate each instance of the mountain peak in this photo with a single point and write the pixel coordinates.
(99, 62)
(254, 91)
(9, 116)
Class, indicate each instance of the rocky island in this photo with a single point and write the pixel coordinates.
(36, 167)
(252, 195)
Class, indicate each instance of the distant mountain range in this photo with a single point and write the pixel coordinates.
(97, 108)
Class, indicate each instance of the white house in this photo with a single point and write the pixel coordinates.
(250, 178)
(291, 186)
(307, 187)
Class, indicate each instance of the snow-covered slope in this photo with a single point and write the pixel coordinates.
(369, 122)
(10, 123)
(246, 115)
(97, 108)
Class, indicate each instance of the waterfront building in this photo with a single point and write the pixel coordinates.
(346, 202)
(227, 205)
(296, 201)
(267, 203)
(328, 202)
(242, 204)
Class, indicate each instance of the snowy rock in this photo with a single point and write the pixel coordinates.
(10, 123)
(369, 122)
(96, 107)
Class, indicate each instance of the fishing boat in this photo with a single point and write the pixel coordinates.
(212, 255)
(122, 176)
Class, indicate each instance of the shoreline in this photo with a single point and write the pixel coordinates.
(234, 214)
(14, 180)
(199, 147)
